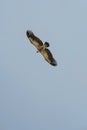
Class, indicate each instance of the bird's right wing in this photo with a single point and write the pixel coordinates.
(34, 40)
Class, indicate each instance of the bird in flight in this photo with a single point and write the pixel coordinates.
(42, 48)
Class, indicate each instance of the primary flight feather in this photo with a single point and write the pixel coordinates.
(42, 48)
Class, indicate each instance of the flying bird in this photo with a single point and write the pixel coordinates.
(42, 48)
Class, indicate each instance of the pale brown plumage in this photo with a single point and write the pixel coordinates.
(42, 48)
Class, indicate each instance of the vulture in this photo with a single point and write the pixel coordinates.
(42, 48)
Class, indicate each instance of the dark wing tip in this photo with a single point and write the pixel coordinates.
(29, 33)
(54, 63)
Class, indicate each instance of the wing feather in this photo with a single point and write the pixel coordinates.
(49, 57)
(34, 40)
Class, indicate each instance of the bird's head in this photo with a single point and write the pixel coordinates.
(46, 44)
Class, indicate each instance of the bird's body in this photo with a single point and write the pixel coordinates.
(42, 48)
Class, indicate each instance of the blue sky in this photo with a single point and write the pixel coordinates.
(33, 94)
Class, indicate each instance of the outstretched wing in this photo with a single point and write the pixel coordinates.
(49, 57)
(34, 40)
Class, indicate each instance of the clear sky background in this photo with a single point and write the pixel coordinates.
(33, 94)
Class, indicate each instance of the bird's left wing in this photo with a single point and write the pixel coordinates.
(49, 57)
